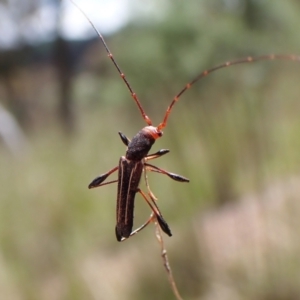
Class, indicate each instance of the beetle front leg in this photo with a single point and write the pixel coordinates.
(124, 138)
(157, 154)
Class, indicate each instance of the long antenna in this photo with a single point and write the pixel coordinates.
(110, 55)
(248, 59)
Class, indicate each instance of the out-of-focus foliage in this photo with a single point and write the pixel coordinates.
(235, 134)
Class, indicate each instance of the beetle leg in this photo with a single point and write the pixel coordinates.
(161, 171)
(98, 180)
(124, 138)
(163, 224)
(140, 228)
(157, 154)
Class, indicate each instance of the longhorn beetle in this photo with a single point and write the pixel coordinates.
(135, 162)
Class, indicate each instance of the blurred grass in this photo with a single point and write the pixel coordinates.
(235, 133)
(51, 223)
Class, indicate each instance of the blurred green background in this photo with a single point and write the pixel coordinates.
(235, 134)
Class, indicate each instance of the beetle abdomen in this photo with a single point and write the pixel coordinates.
(130, 173)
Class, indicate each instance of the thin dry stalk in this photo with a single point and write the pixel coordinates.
(165, 258)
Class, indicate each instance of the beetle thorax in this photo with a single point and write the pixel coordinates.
(142, 142)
